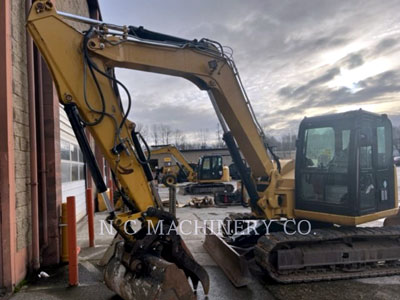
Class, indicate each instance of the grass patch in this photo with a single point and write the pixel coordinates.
(20, 285)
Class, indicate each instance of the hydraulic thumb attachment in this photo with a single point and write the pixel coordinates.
(157, 258)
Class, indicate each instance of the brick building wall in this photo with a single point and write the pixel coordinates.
(15, 197)
(21, 112)
(76, 7)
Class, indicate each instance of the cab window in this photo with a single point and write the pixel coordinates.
(319, 146)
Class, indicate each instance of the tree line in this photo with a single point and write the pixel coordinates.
(204, 138)
(160, 134)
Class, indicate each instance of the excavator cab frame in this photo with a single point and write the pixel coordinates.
(210, 167)
(344, 165)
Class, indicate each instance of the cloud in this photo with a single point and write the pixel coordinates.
(376, 90)
(370, 89)
(385, 44)
(301, 91)
(295, 58)
(353, 60)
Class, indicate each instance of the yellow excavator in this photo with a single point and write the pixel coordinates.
(343, 176)
(209, 177)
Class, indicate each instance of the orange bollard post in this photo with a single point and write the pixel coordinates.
(90, 213)
(72, 243)
(111, 187)
(64, 233)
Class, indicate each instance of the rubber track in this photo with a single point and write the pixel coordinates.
(208, 188)
(267, 244)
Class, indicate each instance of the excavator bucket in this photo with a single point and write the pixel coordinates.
(230, 260)
(154, 265)
(149, 276)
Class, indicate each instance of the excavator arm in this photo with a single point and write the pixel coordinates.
(72, 55)
(178, 156)
(82, 65)
(158, 264)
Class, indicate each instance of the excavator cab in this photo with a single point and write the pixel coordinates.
(210, 167)
(344, 165)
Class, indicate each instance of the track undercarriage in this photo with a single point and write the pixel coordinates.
(208, 188)
(324, 254)
(329, 254)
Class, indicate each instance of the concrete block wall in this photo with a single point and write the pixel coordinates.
(15, 197)
(76, 7)
(21, 124)
(21, 111)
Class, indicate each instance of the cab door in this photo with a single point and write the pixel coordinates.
(367, 189)
(384, 165)
(211, 168)
(376, 174)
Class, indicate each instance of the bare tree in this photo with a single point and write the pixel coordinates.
(166, 132)
(183, 143)
(203, 137)
(155, 133)
(143, 129)
(272, 141)
(177, 137)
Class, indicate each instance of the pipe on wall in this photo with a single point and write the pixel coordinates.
(42, 168)
(33, 148)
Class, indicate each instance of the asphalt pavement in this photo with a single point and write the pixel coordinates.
(92, 286)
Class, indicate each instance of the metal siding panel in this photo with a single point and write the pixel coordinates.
(73, 188)
(65, 127)
(77, 189)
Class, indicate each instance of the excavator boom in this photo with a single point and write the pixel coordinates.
(204, 62)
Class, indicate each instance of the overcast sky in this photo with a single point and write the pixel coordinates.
(296, 58)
